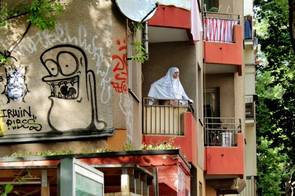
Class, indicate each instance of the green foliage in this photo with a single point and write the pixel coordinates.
(128, 146)
(165, 145)
(276, 97)
(271, 168)
(42, 153)
(140, 53)
(42, 13)
(5, 189)
(136, 26)
(265, 89)
(3, 59)
(3, 15)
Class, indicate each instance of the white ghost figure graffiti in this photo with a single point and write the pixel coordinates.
(16, 87)
(72, 90)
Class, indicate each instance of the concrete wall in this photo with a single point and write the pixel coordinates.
(249, 55)
(201, 182)
(251, 158)
(250, 77)
(199, 102)
(225, 82)
(226, 6)
(73, 78)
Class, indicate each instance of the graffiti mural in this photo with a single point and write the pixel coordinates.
(21, 118)
(16, 87)
(72, 89)
(120, 70)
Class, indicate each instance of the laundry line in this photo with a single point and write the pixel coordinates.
(219, 30)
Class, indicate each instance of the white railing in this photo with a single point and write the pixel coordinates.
(163, 117)
(221, 131)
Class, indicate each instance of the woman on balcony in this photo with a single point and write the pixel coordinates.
(169, 88)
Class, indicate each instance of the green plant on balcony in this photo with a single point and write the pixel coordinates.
(140, 55)
(6, 189)
(165, 145)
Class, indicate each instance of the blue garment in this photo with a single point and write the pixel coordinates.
(247, 29)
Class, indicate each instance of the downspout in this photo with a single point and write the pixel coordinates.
(146, 40)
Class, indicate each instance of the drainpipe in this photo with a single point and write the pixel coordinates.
(146, 40)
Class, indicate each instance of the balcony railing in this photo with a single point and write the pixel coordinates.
(221, 131)
(219, 27)
(163, 117)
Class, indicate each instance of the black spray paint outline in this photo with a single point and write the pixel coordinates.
(90, 89)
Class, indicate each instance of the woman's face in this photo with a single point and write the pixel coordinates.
(175, 75)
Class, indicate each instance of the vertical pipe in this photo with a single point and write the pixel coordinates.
(146, 40)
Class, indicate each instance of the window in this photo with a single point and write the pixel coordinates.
(79, 179)
(212, 5)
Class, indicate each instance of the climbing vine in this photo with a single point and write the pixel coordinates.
(140, 54)
(40, 13)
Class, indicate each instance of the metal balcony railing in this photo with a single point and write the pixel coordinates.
(221, 131)
(163, 117)
(219, 27)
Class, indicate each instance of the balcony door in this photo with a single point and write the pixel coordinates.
(212, 102)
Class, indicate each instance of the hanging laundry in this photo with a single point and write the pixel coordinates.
(219, 30)
(248, 27)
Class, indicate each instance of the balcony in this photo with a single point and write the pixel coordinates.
(221, 131)
(172, 14)
(224, 150)
(171, 22)
(223, 41)
(171, 122)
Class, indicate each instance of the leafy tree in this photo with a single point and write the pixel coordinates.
(276, 93)
(271, 168)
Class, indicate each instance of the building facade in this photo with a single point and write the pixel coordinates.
(76, 118)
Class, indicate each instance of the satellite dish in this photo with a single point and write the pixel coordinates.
(137, 10)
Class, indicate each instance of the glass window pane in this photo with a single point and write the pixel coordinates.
(87, 187)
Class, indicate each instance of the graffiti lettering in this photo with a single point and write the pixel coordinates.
(47, 39)
(23, 124)
(20, 119)
(120, 70)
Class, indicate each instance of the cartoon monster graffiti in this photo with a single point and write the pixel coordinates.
(73, 90)
(16, 87)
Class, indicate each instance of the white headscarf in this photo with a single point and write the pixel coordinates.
(168, 87)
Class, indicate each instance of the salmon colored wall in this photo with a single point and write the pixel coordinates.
(169, 16)
(187, 143)
(226, 160)
(117, 141)
(226, 53)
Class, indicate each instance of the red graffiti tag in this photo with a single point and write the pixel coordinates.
(120, 69)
